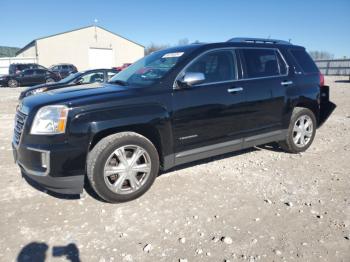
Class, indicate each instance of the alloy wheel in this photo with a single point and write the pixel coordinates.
(127, 169)
(12, 83)
(302, 131)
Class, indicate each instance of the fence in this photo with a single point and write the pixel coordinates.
(334, 67)
(5, 62)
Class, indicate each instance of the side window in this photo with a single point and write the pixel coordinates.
(260, 63)
(110, 75)
(64, 67)
(92, 78)
(217, 66)
(39, 72)
(304, 61)
(28, 72)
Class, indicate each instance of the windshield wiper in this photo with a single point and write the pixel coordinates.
(119, 82)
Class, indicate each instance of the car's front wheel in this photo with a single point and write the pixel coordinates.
(122, 167)
(12, 83)
(301, 131)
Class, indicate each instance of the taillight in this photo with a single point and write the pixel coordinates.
(321, 80)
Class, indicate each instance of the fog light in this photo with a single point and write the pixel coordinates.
(44, 160)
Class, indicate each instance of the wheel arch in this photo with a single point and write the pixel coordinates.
(147, 130)
(311, 105)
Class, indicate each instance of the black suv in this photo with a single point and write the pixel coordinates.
(17, 68)
(64, 70)
(171, 107)
(29, 77)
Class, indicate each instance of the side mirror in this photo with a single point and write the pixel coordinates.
(192, 78)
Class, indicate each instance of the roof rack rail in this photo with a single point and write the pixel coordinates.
(258, 40)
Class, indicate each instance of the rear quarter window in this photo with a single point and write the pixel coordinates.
(304, 61)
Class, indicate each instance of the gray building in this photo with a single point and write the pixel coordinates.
(87, 48)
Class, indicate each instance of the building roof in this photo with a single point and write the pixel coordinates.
(34, 41)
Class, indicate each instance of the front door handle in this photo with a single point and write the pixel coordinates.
(287, 83)
(235, 90)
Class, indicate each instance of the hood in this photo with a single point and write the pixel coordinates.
(77, 95)
(48, 86)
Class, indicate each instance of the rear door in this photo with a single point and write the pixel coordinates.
(265, 76)
(27, 77)
(208, 113)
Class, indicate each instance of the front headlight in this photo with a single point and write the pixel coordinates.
(36, 91)
(50, 120)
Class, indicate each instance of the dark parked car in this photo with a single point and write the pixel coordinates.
(17, 68)
(79, 78)
(171, 107)
(29, 77)
(64, 70)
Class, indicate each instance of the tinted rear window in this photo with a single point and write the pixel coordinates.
(262, 63)
(304, 61)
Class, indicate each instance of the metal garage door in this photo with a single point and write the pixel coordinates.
(100, 58)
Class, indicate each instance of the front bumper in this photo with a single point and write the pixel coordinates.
(46, 168)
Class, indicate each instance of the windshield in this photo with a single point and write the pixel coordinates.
(69, 78)
(149, 69)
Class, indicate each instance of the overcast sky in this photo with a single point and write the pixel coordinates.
(317, 25)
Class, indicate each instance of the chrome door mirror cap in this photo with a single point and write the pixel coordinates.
(192, 78)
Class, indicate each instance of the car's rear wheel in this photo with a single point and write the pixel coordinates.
(49, 80)
(12, 83)
(122, 167)
(301, 131)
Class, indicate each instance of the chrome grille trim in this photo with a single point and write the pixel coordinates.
(20, 119)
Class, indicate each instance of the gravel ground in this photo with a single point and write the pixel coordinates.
(257, 205)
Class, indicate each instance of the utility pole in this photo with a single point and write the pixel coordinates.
(95, 23)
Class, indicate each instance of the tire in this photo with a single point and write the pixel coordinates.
(50, 80)
(111, 166)
(12, 83)
(301, 131)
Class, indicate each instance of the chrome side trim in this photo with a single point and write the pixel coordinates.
(264, 135)
(229, 143)
(208, 148)
(234, 90)
(215, 83)
(188, 137)
(287, 83)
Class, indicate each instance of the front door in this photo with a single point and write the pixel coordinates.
(27, 77)
(208, 113)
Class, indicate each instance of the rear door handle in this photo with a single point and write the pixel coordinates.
(287, 83)
(235, 90)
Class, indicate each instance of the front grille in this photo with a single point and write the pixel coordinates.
(20, 119)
